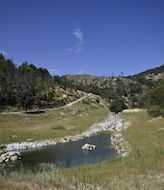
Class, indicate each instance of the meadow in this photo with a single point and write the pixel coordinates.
(53, 124)
(142, 169)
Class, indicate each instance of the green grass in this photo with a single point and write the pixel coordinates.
(53, 124)
(142, 169)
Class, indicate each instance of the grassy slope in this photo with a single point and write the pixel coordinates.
(143, 169)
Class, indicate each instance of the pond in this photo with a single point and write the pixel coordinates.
(70, 154)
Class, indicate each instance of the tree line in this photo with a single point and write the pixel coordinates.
(23, 86)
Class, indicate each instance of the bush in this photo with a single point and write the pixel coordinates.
(155, 111)
(117, 105)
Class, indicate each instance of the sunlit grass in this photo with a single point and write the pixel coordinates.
(53, 124)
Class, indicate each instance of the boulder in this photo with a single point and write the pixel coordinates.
(13, 153)
(2, 157)
(88, 147)
(10, 156)
(7, 160)
(14, 158)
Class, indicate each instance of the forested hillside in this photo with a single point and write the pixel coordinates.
(122, 91)
(27, 86)
(111, 88)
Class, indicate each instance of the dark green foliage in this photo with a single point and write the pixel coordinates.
(25, 86)
(154, 100)
(156, 111)
(117, 105)
(141, 80)
(154, 97)
(25, 99)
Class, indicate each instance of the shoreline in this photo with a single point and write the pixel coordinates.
(114, 123)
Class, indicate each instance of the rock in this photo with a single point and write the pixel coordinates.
(75, 112)
(88, 147)
(7, 160)
(10, 156)
(2, 157)
(29, 140)
(62, 114)
(14, 158)
(2, 146)
(13, 153)
(114, 124)
(124, 154)
(64, 96)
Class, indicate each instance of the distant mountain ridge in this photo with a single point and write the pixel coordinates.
(154, 73)
(130, 88)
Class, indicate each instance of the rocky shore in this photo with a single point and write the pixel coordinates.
(10, 156)
(113, 123)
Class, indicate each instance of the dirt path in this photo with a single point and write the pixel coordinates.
(69, 104)
(48, 109)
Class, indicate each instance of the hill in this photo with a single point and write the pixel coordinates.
(128, 89)
(110, 88)
(28, 87)
(156, 73)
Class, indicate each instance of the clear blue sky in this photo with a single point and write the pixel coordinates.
(100, 37)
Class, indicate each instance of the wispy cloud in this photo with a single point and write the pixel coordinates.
(78, 34)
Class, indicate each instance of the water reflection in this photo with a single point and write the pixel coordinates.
(70, 154)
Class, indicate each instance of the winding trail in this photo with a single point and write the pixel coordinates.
(68, 105)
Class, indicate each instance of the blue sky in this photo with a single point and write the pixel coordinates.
(100, 37)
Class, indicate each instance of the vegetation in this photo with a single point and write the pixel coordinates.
(23, 86)
(142, 169)
(155, 70)
(129, 89)
(27, 86)
(117, 105)
(154, 100)
(110, 88)
(53, 124)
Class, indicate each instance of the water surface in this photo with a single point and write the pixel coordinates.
(70, 154)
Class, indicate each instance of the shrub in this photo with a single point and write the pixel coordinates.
(155, 111)
(117, 105)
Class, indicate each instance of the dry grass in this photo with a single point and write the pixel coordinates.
(142, 169)
(53, 124)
